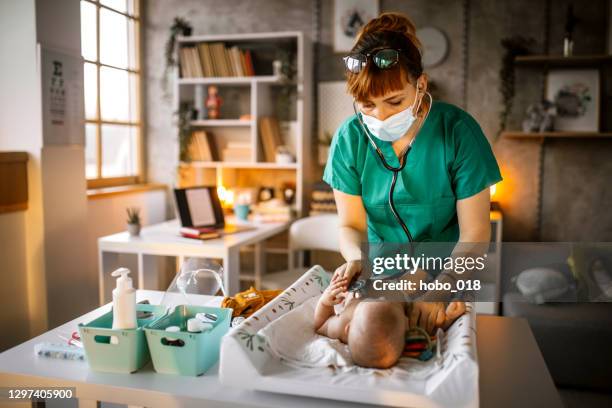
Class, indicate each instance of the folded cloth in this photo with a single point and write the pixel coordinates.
(293, 339)
(247, 302)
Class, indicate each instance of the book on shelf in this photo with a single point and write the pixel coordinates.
(237, 152)
(215, 59)
(202, 146)
(184, 67)
(270, 137)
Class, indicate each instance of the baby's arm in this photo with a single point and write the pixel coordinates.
(330, 297)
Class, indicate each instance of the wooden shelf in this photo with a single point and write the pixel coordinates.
(13, 181)
(559, 135)
(561, 61)
(238, 80)
(239, 165)
(221, 122)
(274, 35)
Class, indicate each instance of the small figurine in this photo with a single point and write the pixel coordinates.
(540, 117)
(213, 102)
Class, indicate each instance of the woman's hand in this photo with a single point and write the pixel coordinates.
(348, 271)
(427, 315)
(333, 294)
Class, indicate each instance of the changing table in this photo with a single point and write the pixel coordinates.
(512, 373)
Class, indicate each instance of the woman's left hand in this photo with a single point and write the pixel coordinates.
(427, 315)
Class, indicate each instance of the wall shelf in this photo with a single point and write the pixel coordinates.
(13, 181)
(585, 61)
(221, 122)
(240, 165)
(237, 80)
(558, 135)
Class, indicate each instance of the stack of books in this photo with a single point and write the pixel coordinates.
(322, 200)
(273, 210)
(199, 233)
(202, 147)
(237, 152)
(215, 60)
(270, 136)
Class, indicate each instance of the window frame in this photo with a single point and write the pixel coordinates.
(98, 122)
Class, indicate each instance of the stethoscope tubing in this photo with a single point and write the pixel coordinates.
(395, 170)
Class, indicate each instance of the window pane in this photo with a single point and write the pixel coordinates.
(88, 30)
(119, 151)
(91, 91)
(133, 7)
(113, 39)
(91, 152)
(132, 51)
(115, 95)
(119, 5)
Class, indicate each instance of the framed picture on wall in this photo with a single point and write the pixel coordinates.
(576, 95)
(349, 17)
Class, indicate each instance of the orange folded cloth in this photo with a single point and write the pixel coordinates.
(249, 301)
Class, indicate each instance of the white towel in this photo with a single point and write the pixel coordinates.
(292, 338)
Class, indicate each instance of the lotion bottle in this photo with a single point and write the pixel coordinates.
(124, 301)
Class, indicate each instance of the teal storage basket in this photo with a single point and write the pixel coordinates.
(131, 351)
(198, 351)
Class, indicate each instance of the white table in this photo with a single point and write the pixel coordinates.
(164, 240)
(512, 373)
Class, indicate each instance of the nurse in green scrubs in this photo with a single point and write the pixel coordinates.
(442, 192)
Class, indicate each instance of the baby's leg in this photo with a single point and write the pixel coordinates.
(453, 311)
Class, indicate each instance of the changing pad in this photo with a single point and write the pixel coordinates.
(248, 360)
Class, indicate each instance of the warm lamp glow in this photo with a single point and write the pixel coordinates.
(226, 196)
(492, 191)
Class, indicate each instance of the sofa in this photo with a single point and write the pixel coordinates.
(573, 333)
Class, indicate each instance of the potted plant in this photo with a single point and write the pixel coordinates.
(180, 26)
(133, 221)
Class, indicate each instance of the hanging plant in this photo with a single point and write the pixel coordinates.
(286, 91)
(513, 46)
(184, 117)
(180, 26)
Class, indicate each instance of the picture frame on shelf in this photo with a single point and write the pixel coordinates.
(577, 97)
(349, 17)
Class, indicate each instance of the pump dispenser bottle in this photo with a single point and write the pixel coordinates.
(124, 301)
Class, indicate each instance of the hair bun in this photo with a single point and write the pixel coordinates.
(392, 21)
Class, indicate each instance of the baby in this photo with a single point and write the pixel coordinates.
(373, 330)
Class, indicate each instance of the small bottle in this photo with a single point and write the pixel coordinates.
(124, 301)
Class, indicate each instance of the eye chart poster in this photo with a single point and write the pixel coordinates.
(62, 98)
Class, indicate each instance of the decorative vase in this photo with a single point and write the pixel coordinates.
(134, 229)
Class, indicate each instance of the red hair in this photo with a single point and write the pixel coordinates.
(391, 30)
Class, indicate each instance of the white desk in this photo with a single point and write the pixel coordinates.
(512, 373)
(164, 240)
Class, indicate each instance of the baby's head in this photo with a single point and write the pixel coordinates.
(376, 334)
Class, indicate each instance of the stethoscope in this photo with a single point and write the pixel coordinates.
(359, 287)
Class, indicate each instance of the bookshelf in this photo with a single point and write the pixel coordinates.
(246, 101)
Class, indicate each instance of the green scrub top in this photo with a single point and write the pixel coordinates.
(450, 159)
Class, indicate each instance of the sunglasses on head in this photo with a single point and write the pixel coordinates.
(384, 58)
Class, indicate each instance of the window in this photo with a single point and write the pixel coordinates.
(113, 123)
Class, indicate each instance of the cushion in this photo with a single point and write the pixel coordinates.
(540, 285)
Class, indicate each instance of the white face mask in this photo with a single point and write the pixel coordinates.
(395, 126)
